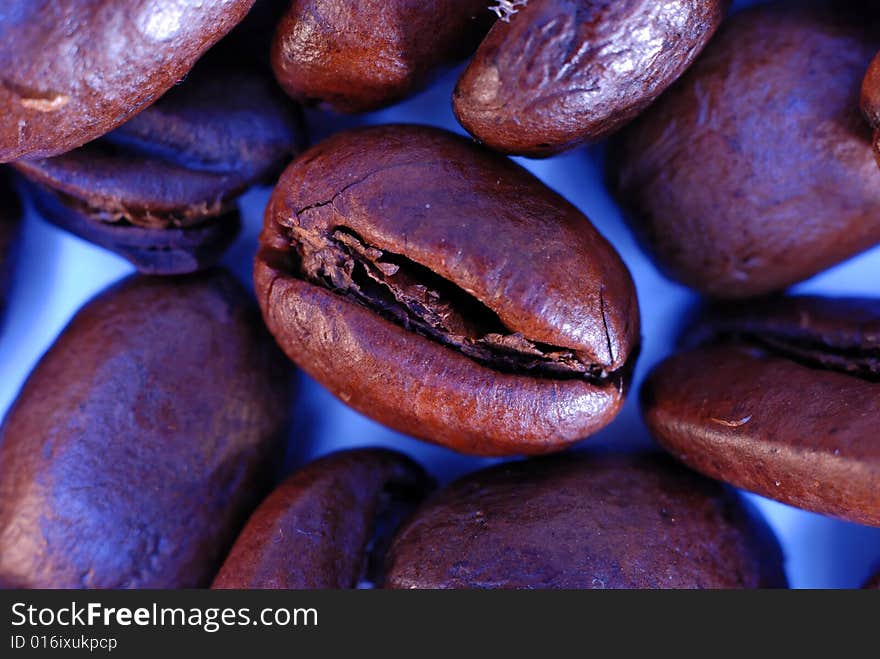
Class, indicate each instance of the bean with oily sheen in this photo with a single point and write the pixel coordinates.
(160, 190)
(72, 71)
(780, 398)
(871, 101)
(442, 290)
(10, 212)
(356, 57)
(142, 440)
(559, 73)
(328, 525)
(755, 171)
(601, 521)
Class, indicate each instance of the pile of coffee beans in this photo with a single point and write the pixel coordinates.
(439, 288)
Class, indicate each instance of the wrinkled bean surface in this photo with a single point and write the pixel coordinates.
(563, 72)
(444, 291)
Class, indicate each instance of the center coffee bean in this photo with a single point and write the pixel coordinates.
(441, 289)
(142, 440)
(781, 398)
(612, 521)
(328, 525)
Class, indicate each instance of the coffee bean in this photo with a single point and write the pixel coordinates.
(612, 521)
(10, 211)
(874, 582)
(142, 440)
(871, 101)
(160, 190)
(755, 170)
(443, 291)
(560, 73)
(74, 70)
(356, 57)
(328, 525)
(780, 398)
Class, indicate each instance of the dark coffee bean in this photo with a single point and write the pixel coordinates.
(874, 582)
(160, 190)
(563, 72)
(871, 101)
(328, 525)
(10, 212)
(780, 398)
(444, 291)
(72, 71)
(755, 170)
(585, 522)
(142, 440)
(355, 57)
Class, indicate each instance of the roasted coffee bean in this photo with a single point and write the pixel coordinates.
(781, 398)
(72, 71)
(755, 170)
(871, 101)
(160, 190)
(613, 521)
(142, 440)
(442, 290)
(10, 210)
(356, 57)
(328, 525)
(874, 582)
(559, 73)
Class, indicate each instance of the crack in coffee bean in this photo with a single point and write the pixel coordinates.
(811, 351)
(419, 300)
(443, 290)
(122, 215)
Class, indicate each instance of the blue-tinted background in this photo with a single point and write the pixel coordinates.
(57, 273)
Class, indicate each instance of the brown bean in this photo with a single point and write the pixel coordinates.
(755, 171)
(142, 439)
(559, 73)
(442, 290)
(72, 71)
(780, 398)
(161, 189)
(328, 525)
(356, 57)
(610, 521)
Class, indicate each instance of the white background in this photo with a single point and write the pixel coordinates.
(57, 273)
